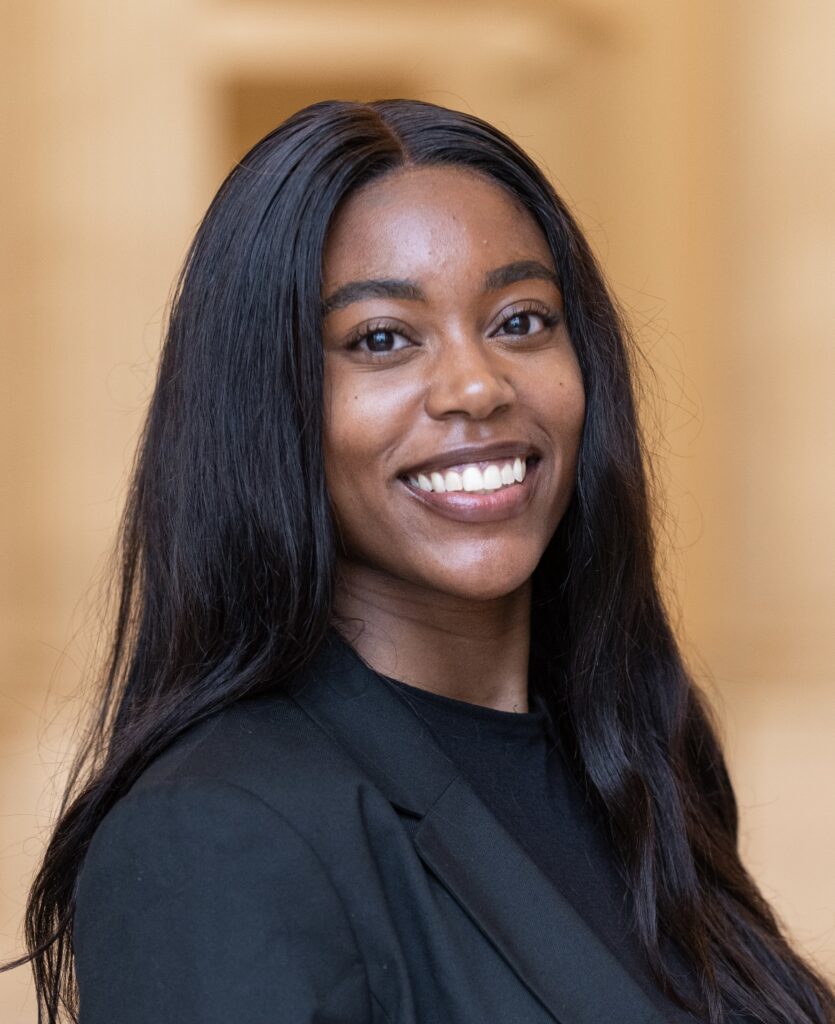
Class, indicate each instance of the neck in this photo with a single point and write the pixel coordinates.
(476, 651)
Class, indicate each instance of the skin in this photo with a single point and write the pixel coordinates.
(444, 605)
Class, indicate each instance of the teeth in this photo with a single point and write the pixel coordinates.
(472, 479)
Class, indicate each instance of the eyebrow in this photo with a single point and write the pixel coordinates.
(390, 288)
(520, 270)
(355, 291)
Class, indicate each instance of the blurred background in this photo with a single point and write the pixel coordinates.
(695, 141)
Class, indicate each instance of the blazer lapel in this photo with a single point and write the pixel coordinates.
(533, 926)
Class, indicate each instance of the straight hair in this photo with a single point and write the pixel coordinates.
(227, 559)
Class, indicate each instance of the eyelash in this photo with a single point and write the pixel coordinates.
(366, 332)
(550, 318)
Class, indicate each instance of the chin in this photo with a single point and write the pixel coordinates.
(478, 583)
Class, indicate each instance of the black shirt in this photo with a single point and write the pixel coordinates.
(514, 763)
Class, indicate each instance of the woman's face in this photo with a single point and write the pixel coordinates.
(448, 374)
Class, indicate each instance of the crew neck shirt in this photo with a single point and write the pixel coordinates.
(515, 764)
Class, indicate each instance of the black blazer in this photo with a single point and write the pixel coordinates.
(312, 857)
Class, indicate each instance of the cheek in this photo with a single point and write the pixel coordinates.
(561, 407)
(560, 411)
(572, 403)
(361, 425)
(344, 448)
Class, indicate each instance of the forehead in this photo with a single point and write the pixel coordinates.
(425, 222)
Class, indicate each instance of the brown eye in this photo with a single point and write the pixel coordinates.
(526, 322)
(519, 323)
(380, 341)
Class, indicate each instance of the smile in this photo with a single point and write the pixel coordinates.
(473, 477)
(477, 491)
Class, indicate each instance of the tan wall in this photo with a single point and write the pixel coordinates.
(698, 148)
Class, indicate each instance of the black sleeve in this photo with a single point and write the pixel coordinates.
(200, 903)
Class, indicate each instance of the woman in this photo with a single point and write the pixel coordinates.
(395, 728)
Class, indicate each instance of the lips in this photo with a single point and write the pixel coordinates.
(481, 506)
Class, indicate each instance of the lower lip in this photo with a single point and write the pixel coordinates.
(467, 507)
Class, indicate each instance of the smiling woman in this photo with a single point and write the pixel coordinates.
(453, 414)
(395, 728)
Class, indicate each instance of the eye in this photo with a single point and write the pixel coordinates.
(522, 323)
(379, 341)
(531, 320)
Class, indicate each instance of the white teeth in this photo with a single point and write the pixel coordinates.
(492, 478)
(472, 479)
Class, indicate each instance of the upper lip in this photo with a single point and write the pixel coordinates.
(473, 453)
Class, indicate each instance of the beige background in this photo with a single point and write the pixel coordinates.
(696, 142)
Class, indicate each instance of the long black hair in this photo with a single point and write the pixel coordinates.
(228, 554)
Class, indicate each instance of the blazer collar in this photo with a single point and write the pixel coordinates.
(545, 941)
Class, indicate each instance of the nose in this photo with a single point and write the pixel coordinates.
(469, 379)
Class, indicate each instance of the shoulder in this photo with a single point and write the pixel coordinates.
(214, 840)
(196, 898)
(243, 793)
(232, 790)
(176, 835)
(234, 839)
(265, 748)
(257, 783)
